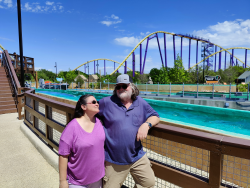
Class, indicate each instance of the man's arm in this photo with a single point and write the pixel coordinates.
(143, 130)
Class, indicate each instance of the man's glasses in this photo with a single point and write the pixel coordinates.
(124, 86)
(93, 102)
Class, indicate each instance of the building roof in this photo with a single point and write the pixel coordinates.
(244, 75)
(83, 77)
(93, 76)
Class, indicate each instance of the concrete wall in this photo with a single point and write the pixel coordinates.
(178, 88)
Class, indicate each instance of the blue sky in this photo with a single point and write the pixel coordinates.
(73, 32)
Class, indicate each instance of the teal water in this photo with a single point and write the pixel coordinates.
(226, 121)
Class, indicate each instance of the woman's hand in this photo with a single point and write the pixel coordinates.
(64, 184)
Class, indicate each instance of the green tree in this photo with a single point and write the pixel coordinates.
(46, 75)
(79, 80)
(178, 74)
(70, 76)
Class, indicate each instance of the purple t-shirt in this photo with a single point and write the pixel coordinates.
(86, 152)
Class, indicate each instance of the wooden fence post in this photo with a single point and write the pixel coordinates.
(33, 106)
(215, 169)
(36, 80)
(47, 127)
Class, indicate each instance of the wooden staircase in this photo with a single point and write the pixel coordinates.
(7, 101)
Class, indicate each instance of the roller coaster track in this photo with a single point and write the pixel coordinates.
(188, 37)
(4, 49)
(219, 52)
(100, 59)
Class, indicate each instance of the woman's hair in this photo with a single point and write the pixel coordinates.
(78, 109)
(135, 91)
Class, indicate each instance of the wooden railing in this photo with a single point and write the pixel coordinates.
(219, 156)
(16, 88)
(28, 63)
(218, 146)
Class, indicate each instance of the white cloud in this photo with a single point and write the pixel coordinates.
(228, 33)
(108, 22)
(36, 7)
(38, 68)
(8, 3)
(6, 39)
(114, 17)
(27, 6)
(153, 44)
(144, 34)
(127, 41)
(49, 3)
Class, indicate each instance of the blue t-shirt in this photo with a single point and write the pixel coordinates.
(121, 127)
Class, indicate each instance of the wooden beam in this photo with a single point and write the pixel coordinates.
(48, 122)
(176, 177)
(54, 104)
(36, 80)
(215, 169)
(41, 135)
(187, 140)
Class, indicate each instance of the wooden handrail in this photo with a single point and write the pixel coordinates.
(52, 103)
(12, 69)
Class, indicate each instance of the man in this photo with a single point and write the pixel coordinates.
(127, 119)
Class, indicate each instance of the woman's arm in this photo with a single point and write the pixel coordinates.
(63, 164)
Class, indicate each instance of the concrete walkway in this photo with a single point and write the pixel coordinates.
(21, 165)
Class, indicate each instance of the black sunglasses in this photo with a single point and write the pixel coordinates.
(124, 86)
(93, 102)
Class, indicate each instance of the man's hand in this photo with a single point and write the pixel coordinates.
(142, 132)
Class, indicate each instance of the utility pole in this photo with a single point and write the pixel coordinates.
(20, 41)
(97, 66)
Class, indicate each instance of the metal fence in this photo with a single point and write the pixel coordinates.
(214, 91)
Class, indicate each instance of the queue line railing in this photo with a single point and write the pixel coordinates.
(180, 157)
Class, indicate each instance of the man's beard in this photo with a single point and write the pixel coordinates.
(126, 95)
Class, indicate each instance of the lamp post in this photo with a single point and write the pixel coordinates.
(56, 68)
(20, 40)
(97, 66)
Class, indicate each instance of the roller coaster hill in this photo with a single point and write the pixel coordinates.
(210, 53)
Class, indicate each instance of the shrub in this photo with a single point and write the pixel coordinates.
(242, 87)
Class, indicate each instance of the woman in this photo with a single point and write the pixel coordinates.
(81, 148)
